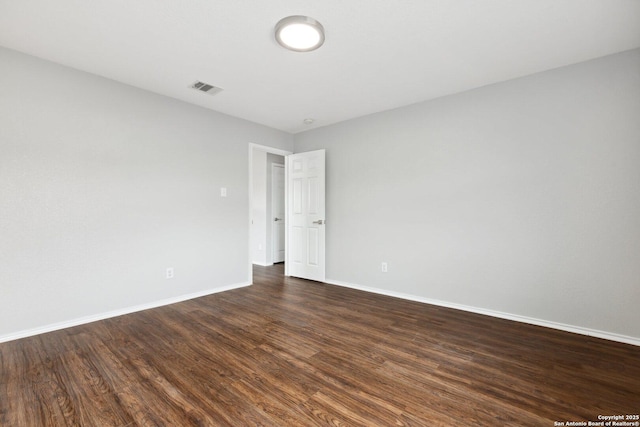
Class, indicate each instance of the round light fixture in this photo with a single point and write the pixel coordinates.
(299, 33)
(308, 121)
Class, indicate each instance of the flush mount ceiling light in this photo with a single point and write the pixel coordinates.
(299, 33)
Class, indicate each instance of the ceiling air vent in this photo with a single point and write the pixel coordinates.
(206, 88)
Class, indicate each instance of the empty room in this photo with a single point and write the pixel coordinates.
(320, 213)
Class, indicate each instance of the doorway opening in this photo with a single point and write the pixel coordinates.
(266, 206)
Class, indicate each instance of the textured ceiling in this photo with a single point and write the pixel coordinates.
(377, 55)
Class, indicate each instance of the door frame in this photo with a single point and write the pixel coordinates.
(271, 150)
(275, 166)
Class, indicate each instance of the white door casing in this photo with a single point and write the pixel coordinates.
(306, 215)
(277, 212)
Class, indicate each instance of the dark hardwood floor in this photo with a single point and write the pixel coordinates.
(288, 352)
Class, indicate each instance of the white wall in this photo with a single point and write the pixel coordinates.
(521, 197)
(103, 186)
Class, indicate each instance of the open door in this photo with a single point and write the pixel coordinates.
(306, 215)
(277, 213)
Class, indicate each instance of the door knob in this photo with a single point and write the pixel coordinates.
(319, 222)
(278, 219)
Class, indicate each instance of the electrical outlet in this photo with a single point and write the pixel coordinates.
(223, 192)
(170, 273)
(384, 267)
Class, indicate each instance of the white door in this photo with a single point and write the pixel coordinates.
(305, 215)
(277, 212)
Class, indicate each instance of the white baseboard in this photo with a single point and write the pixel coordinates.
(93, 318)
(498, 314)
(263, 264)
(523, 319)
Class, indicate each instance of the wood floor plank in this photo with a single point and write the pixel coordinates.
(290, 352)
